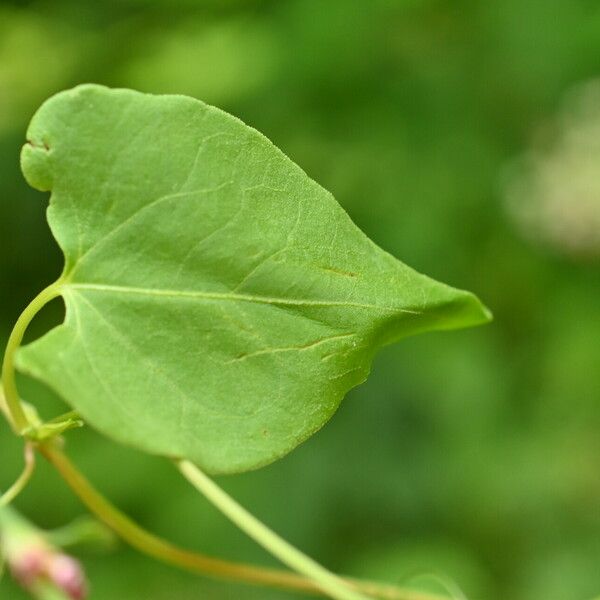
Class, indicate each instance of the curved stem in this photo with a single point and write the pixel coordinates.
(331, 584)
(167, 552)
(17, 487)
(154, 546)
(16, 414)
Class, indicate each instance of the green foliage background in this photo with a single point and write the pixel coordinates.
(471, 456)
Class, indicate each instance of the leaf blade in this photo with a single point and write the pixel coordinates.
(220, 300)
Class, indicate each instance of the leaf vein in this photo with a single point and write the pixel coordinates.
(135, 214)
(193, 294)
(301, 347)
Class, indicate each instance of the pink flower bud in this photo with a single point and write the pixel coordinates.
(34, 560)
(66, 573)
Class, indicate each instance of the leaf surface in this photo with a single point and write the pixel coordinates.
(219, 303)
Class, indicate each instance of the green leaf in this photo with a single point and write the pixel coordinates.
(219, 303)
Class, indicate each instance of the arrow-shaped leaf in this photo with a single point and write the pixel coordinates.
(219, 303)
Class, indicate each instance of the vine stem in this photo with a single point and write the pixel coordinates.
(16, 414)
(17, 487)
(154, 546)
(165, 551)
(331, 584)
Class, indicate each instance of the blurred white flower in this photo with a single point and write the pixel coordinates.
(553, 192)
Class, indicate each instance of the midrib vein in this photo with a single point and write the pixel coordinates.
(119, 289)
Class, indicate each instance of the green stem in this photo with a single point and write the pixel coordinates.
(154, 546)
(17, 487)
(331, 584)
(16, 414)
(165, 551)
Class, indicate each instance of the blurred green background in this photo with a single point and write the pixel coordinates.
(460, 135)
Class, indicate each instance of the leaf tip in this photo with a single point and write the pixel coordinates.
(470, 311)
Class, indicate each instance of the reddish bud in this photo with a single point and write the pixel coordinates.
(67, 574)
